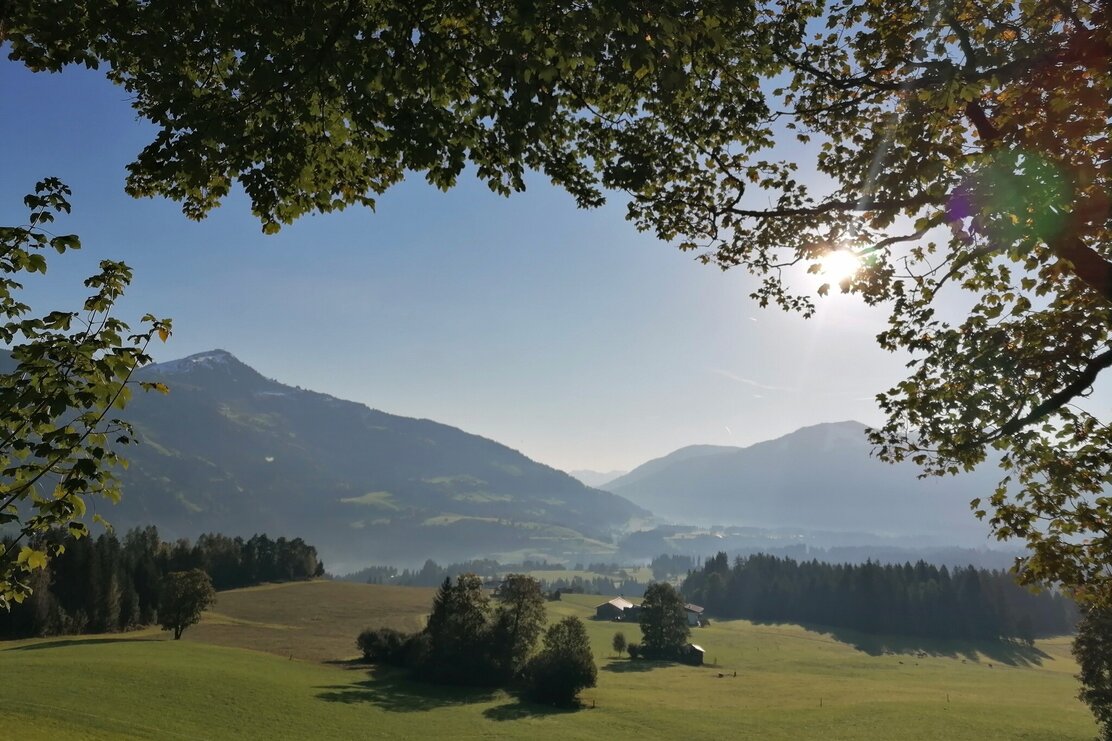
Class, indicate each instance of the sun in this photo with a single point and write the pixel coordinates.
(839, 265)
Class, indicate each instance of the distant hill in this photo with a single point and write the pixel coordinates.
(819, 477)
(596, 479)
(233, 451)
(647, 470)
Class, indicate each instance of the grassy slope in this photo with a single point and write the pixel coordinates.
(315, 621)
(141, 685)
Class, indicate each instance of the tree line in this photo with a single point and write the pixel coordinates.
(432, 574)
(468, 641)
(919, 600)
(105, 584)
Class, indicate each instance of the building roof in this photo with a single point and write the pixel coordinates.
(693, 608)
(618, 602)
(695, 647)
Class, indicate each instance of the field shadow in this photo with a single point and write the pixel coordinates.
(520, 709)
(620, 666)
(353, 664)
(64, 642)
(1006, 652)
(1009, 653)
(396, 693)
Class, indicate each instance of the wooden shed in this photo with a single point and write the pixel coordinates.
(615, 609)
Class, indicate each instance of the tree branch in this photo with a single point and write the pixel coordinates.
(1088, 375)
(861, 204)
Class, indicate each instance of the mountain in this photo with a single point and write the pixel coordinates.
(596, 479)
(656, 465)
(229, 450)
(819, 478)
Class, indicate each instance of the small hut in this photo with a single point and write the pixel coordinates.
(692, 654)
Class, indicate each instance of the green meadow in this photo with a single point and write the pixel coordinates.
(275, 662)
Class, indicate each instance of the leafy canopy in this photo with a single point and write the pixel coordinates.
(1093, 650)
(961, 150)
(184, 596)
(518, 621)
(565, 665)
(60, 381)
(664, 627)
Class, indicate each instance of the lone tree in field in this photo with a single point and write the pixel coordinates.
(664, 627)
(1093, 650)
(184, 596)
(619, 643)
(565, 665)
(962, 150)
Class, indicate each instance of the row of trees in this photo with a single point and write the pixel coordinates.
(917, 600)
(431, 574)
(106, 585)
(469, 641)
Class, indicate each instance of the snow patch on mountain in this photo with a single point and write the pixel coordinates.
(210, 359)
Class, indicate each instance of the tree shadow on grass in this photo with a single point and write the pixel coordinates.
(520, 709)
(1009, 653)
(63, 642)
(391, 690)
(635, 665)
(359, 663)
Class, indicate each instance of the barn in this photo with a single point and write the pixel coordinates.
(694, 614)
(615, 609)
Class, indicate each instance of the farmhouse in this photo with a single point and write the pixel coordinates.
(694, 614)
(616, 609)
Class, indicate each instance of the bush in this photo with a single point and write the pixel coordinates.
(634, 650)
(565, 666)
(385, 646)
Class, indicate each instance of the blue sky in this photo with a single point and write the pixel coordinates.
(560, 332)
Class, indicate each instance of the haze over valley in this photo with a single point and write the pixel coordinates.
(230, 450)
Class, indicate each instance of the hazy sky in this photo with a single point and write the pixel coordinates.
(560, 332)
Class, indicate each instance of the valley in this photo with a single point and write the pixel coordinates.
(248, 686)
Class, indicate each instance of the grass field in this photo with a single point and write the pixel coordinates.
(791, 683)
(313, 621)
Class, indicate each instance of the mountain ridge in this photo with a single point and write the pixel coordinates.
(818, 477)
(229, 449)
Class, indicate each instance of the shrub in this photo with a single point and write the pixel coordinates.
(565, 666)
(634, 650)
(385, 646)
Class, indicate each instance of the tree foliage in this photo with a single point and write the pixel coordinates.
(319, 105)
(108, 584)
(458, 630)
(1093, 650)
(518, 621)
(64, 376)
(465, 642)
(384, 645)
(918, 599)
(619, 643)
(565, 665)
(664, 628)
(184, 595)
(961, 152)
